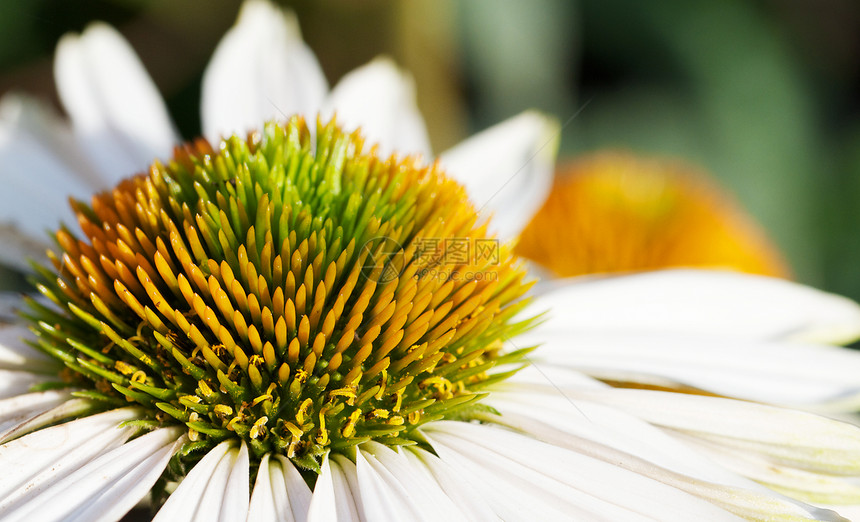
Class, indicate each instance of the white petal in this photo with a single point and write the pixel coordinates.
(39, 169)
(116, 110)
(790, 437)
(783, 373)
(380, 500)
(810, 487)
(547, 415)
(459, 491)
(39, 417)
(235, 496)
(17, 354)
(525, 479)
(262, 507)
(15, 410)
(215, 489)
(107, 487)
(507, 169)
(347, 486)
(10, 304)
(286, 478)
(25, 116)
(621, 439)
(260, 71)
(185, 502)
(380, 99)
(334, 498)
(849, 512)
(46, 456)
(394, 488)
(17, 383)
(703, 302)
(280, 492)
(552, 377)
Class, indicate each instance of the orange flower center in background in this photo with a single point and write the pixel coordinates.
(616, 212)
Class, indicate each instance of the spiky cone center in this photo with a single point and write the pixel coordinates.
(269, 292)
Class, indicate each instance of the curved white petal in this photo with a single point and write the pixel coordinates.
(380, 99)
(206, 493)
(208, 477)
(26, 117)
(552, 377)
(46, 456)
(20, 408)
(703, 302)
(116, 111)
(549, 414)
(775, 372)
(335, 495)
(383, 500)
(467, 499)
(299, 494)
(261, 70)
(525, 479)
(618, 438)
(394, 488)
(851, 512)
(808, 486)
(790, 437)
(39, 168)
(17, 354)
(280, 493)
(105, 488)
(10, 302)
(263, 498)
(14, 383)
(39, 417)
(234, 497)
(507, 169)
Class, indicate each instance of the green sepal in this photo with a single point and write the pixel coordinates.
(343, 445)
(113, 377)
(386, 430)
(142, 424)
(236, 392)
(307, 462)
(497, 377)
(398, 441)
(208, 429)
(515, 356)
(447, 405)
(96, 396)
(130, 348)
(136, 396)
(159, 393)
(415, 406)
(48, 386)
(95, 354)
(193, 447)
(85, 316)
(174, 412)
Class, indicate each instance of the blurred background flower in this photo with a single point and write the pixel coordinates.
(613, 211)
(762, 94)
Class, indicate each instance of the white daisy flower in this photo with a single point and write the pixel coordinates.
(255, 330)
